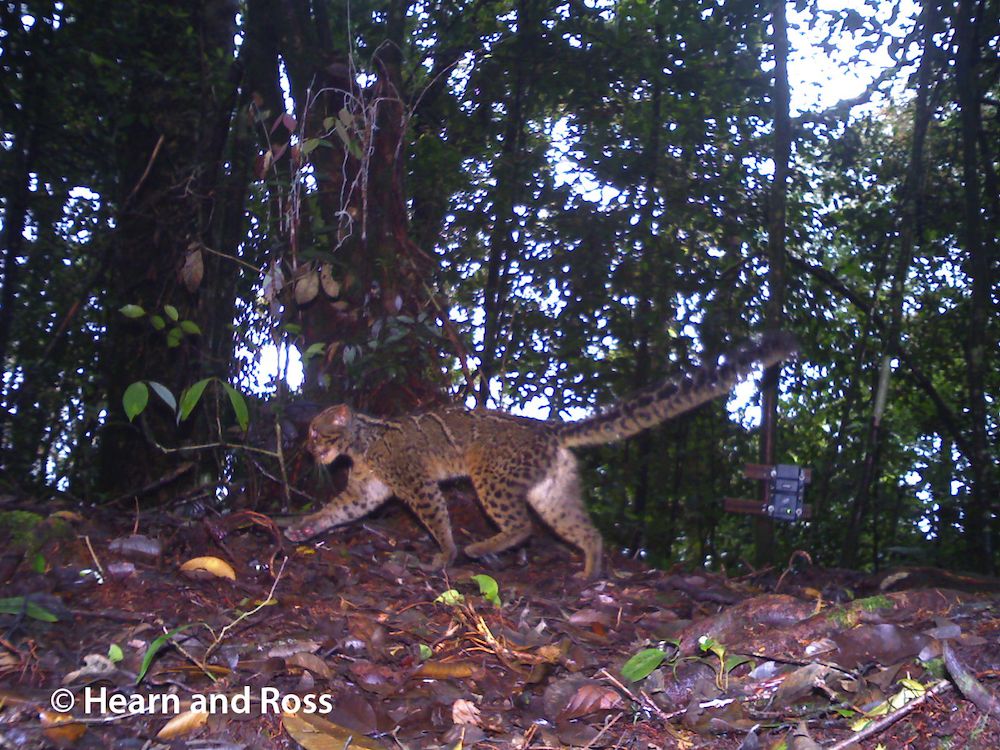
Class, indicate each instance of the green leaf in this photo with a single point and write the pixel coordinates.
(135, 398)
(239, 405)
(115, 653)
(164, 393)
(191, 397)
(174, 337)
(309, 145)
(488, 588)
(734, 661)
(154, 648)
(132, 311)
(38, 562)
(451, 597)
(314, 350)
(642, 664)
(17, 605)
(189, 326)
(293, 328)
(328, 122)
(425, 651)
(158, 322)
(171, 312)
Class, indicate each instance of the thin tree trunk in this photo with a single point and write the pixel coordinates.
(910, 202)
(774, 312)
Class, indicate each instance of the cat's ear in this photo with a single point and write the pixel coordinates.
(335, 418)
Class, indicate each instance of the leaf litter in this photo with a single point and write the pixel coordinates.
(349, 642)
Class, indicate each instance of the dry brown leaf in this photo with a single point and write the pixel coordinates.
(314, 733)
(183, 724)
(311, 662)
(306, 285)
(330, 285)
(198, 567)
(589, 698)
(60, 729)
(193, 268)
(436, 670)
(95, 667)
(465, 712)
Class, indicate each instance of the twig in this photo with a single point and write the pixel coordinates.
(605, 728)
(788, 568)
(886, 721)
(149, 167)
(265, 603)
(643, 699)
(93, 555)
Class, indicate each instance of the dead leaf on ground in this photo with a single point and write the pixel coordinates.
(183, 724)
(210, 567)
(314, 733)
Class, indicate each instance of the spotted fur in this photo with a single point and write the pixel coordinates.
(514, 462)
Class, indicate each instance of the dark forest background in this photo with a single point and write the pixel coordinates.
(512, 202)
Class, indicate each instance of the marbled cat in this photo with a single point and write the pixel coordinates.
(514, 462)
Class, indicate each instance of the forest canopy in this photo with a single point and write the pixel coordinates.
(520, 204)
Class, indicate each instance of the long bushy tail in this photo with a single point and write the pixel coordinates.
(666, 400)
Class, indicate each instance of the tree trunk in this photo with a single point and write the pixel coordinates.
(169, 165)
(774, 312)
(979, 524)
(381, 278)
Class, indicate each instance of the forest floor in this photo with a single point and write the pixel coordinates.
(96, 609)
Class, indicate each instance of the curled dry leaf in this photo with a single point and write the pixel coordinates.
(95, 667)
(590, 697)
(331, 287)
(183, 724)
(202, 567)
(193, 268)
(305, 284)
(465, 712)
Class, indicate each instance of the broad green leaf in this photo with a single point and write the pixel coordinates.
(293, 328)
(425, 651)
(642, 664)
(171, 312)
(158, 322)
(189, 326)
(132, 311)
(164, 393)
(734, 661)
(191, 397)
(135, 398)
(314, 350)
(154, 648)
(309, 145)
(488, 588)
(174, 336)
(239, 405)
(115, 653)
(17, 605)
